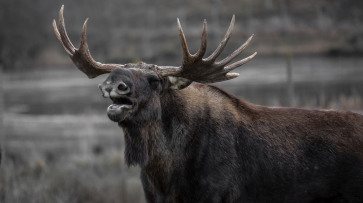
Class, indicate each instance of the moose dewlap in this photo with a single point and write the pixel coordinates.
(197, 143)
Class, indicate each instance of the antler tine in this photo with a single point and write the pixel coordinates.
(235, 53)
(203, 46)
(223, 43)
(84, 45)
(227, 69)
(59, 38)
(183, 42)
(81, 57)
(239, 63)
(63, 33)
(83, 48)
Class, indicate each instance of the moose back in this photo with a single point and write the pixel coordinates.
(198, 143)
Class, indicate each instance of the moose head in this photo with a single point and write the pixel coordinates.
(134, 87)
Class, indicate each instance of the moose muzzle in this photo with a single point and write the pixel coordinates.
(119, 92)
(111, 90)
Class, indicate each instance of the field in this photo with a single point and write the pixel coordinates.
(60, 146)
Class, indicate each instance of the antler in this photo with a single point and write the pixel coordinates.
(81, 57)
(197, 69)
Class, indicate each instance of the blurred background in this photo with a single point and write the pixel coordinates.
(59, 145)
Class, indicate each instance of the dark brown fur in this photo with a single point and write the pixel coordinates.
(201, 144)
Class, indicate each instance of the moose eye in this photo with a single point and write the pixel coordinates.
(153, 81)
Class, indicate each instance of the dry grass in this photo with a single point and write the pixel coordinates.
(65, 158)
(95, 180)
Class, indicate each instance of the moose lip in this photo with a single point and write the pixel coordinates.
(120, 109)
(120, 103)
(113, 107)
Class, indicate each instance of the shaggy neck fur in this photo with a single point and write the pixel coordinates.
(140, 132)
(161, 131)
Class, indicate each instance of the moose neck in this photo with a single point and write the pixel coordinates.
(161, 133)
(156, 134)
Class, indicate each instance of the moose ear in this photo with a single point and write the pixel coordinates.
(178, 83)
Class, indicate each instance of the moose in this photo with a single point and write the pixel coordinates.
(194, 142)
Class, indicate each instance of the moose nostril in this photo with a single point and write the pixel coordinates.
(108, 89)
(122, 87)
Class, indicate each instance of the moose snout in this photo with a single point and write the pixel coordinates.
(114, 90)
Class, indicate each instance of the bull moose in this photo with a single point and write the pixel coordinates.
(198, 143)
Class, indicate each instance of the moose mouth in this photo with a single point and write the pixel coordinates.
(119, 110)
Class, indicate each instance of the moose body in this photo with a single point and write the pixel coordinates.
(208, 146)
(198, 143)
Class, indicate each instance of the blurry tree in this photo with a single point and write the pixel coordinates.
(22, 31)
